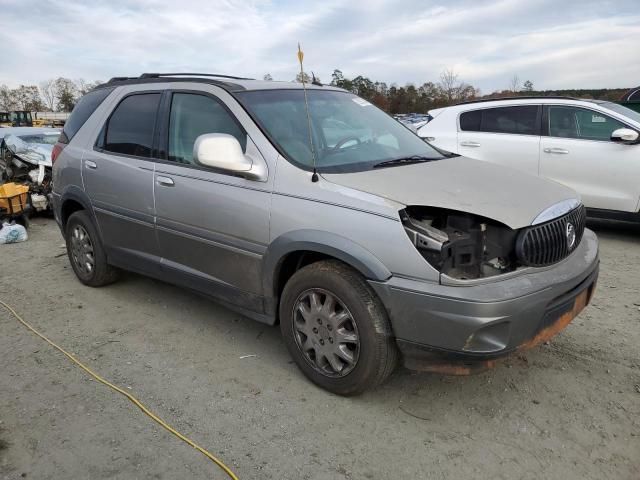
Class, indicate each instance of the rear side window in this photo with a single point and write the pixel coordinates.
(521, 120)
(130, 128)
(193, 115)
(82, 111)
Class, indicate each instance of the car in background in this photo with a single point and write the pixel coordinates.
(413, 121)
(25, 158)
(591, 146)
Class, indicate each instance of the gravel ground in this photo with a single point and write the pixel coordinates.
(566, 410)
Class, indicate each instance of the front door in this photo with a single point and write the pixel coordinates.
(508, 136)
(578, 152)
(118, 177)
(212, 228)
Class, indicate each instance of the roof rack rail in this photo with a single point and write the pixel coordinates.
(158, 75)
(525, 97)
(120, 79)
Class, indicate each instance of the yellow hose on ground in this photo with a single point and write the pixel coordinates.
(133, 399)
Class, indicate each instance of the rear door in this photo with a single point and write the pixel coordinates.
(212, 227)
(118, 177)
(507, 136)
(577, 150)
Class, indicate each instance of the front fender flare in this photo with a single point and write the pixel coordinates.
(336, 246)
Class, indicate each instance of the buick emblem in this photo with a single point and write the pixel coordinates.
(571, 235)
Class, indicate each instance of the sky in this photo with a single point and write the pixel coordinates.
(554, 43)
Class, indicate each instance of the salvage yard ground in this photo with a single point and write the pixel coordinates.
(566, 410)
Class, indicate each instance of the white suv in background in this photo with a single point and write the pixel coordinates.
(592, 146)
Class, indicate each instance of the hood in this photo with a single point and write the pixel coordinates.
(459, 183)
(33, 153)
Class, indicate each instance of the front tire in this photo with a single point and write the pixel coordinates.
(336, 328)
(86, 253)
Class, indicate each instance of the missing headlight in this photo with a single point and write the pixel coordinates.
(458, 244)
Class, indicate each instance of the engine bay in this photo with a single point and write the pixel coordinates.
(461, 245)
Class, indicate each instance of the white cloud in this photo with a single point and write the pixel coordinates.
(585, 44)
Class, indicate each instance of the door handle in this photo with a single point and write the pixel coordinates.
(560, 151)
(90, 164)
(469, 144)
(165, 181)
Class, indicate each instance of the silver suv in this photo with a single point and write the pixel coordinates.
(324, 214)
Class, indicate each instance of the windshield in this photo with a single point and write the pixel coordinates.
(622, 110)
(349, 133)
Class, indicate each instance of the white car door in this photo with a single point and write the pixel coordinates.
(508, 135)
(577, 150)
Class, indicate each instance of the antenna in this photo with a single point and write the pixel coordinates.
(314, 177)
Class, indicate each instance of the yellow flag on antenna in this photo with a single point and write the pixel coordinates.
(300, 55)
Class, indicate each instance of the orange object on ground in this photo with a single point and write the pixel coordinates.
(13, 198)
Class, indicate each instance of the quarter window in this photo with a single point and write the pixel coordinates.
(131, 125)
(82, 111)
(572, 122)
(193, 115)
(470, 121)
(521, 120)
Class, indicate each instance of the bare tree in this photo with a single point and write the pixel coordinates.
(48, 93)
(6, 99)
(452, 90)
(83, 87)
(449, 84)
(307, 78)
(514, 84)
(27, 97)
(267, 77)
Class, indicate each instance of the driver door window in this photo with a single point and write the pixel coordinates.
(193, 115)
(580, 123)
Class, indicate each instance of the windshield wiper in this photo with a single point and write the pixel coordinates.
(404, 161)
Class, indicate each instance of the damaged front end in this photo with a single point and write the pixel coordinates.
(460, 245)
(29, 164)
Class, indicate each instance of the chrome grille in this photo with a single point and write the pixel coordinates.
(549, 242)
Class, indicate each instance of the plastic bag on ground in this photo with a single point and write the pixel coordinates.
(12, 233)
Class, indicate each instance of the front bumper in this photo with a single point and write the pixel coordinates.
(462, 329)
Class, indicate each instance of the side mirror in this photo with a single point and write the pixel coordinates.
(221, 151)
(624, 135)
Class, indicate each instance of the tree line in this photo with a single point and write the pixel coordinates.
(61, 94)
(448, 90)
(53, 95)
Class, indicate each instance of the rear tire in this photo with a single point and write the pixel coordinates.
(86, 253)
(336, 328)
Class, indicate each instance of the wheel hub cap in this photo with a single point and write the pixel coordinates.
(326, 332)
(82, 250)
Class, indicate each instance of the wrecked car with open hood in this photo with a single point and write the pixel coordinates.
(25, 157)
(315, 209)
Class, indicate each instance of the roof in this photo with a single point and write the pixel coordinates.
(227, 82)
(529, 97)
(528, 100)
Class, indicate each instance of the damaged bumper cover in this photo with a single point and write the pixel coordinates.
(463, 329)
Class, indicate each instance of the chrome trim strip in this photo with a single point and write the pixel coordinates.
(556, 210)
